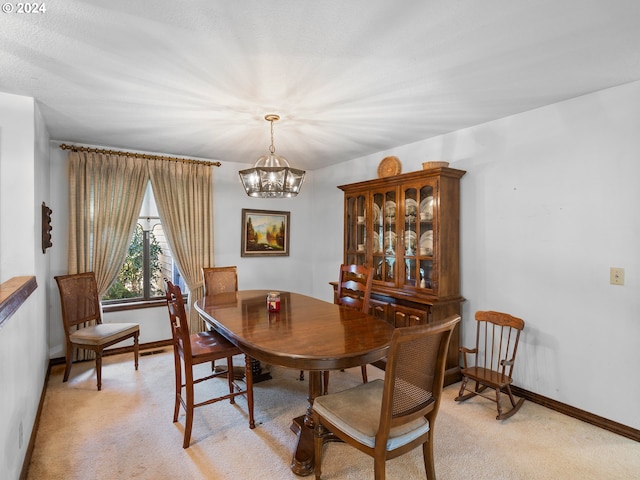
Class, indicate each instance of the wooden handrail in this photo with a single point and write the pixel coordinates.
(13, 294)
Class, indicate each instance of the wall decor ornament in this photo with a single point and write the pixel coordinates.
(46, 228)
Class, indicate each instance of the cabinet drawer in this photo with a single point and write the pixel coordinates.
(402, 316)
(379, 309)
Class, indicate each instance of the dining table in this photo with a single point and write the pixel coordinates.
(306, 334)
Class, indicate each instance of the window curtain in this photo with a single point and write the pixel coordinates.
(106, 193)
(184, 196)
(105, 196)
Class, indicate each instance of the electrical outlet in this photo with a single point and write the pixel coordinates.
(616, 276)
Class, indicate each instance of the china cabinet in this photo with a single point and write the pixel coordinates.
(407, 228)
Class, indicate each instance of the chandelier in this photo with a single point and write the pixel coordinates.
(271, 175)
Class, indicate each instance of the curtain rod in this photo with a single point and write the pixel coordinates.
(76, 148)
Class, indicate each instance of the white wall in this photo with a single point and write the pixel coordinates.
(549, 202)
(24, 166)
(553, 206)
(292, 273)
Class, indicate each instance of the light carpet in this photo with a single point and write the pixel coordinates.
(125, 431)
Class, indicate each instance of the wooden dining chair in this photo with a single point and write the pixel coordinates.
(220, 280)
(497, 336)
(354, 287)
(82, 319)
(354, 291)
(388, 418)
(193, 349)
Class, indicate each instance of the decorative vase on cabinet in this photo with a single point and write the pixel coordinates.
(407, 228)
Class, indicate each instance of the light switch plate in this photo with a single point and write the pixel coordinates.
(616, 276)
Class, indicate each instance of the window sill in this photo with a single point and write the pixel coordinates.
(120, 307)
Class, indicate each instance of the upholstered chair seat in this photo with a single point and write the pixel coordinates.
(356, 412)
(102, 333)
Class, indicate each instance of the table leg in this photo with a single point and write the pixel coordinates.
(258, 374)
(302, 462)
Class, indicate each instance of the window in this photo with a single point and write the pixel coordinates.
(148, 260)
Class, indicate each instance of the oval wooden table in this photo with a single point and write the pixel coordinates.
(306, 334)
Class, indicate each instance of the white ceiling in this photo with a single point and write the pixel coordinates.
(348, 77)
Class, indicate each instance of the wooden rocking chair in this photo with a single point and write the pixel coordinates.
(497, 338)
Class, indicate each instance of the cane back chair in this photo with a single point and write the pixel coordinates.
(80, 306)
(386, 419)
(220, 280)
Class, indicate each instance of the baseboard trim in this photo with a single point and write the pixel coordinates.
(119, 350)
(143, 346)
(582, 415)
(32, 438)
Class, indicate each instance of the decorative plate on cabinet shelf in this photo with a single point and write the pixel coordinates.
(426, 208)
(376, 213)
(390, 211)
(426, 242)
(376, 243)
(389, 166)
(410, 207)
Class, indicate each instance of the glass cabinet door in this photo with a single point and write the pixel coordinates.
(384, 241)
(392, 230)
(417, 236)
(356, 229)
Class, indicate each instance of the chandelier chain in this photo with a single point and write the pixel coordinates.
(272, 148)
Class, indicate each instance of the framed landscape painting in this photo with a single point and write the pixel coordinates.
(264, 233)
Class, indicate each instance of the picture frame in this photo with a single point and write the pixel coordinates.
(265, 233)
